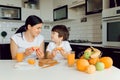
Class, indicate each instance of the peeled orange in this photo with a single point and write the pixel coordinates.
(31, 61)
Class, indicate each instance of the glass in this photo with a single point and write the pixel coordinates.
(19, 57)
(71, 59)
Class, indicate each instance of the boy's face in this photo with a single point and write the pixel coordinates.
(55, 37)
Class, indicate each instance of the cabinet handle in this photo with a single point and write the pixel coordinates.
(116, 52)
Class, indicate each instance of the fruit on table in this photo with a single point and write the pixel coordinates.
(31, 61)
(87, 55)
(108, 62)
(100, 66)
(96, 52)
(90, 69)
(93, 60)
(81, 64)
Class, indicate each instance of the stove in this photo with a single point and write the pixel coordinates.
(84, 41)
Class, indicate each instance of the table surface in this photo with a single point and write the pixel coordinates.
(58, 72)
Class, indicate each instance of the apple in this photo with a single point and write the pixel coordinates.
(87, 55)
(99, 66)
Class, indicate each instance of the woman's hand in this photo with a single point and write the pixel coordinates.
(39, 53)
(28, 51)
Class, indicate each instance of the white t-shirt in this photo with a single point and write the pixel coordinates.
(65, 45)
(22, 43)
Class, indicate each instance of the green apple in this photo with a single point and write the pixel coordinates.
(87, 55)
(99, 66)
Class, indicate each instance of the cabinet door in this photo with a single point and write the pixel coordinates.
(17, 3)
(114, 54)
(5, 51)
(46, 10)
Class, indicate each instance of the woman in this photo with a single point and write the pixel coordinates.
(28, 39)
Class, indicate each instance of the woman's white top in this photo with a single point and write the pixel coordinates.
(65, 45)
(22, 43)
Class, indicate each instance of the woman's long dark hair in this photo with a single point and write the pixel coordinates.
(31, 20)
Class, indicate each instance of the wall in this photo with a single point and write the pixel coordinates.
(10, 28)
(90, 30)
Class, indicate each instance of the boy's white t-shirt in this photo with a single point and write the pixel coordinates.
(65, 45)
(22, 43)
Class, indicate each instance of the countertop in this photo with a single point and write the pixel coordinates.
(84, 44)
(58, 72)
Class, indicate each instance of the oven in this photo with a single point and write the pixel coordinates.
(111, 27)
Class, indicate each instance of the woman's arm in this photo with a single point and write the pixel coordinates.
(13, 49)
(40, 51)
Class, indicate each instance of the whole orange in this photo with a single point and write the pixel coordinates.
(90, 69)
(108, 62)
(81, 64)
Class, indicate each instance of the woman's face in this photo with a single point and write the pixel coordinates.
(36, 29)
(54, 37)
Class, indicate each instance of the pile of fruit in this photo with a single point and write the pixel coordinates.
(91, 61)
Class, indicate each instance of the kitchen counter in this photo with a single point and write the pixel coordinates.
(87, 44)
(58, 72)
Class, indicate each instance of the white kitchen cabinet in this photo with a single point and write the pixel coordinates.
(70, 3)
(46, 10)
(26, 12)
(106, 4)
(16, 3)
(75, 3)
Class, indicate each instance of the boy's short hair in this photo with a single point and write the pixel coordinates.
(62, 31)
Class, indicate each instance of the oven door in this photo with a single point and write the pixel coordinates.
(111, 31)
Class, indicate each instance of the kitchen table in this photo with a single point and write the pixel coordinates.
(58, 72)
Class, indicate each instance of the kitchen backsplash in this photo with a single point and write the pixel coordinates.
(10, 28)
(84, 28)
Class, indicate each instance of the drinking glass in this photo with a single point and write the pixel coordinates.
(20, 55)
(71, 59)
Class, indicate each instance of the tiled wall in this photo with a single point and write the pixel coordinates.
(10, 28)
(89, 30)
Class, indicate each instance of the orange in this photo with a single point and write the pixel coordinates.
(93, 60)
(90, 69)
(35, 48)
(81, 64)
(82, 57)
(59, 48)
(31, 61)
(108, 62)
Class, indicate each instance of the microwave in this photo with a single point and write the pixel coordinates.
(60, 13)
(111, 27)
(10, 12)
